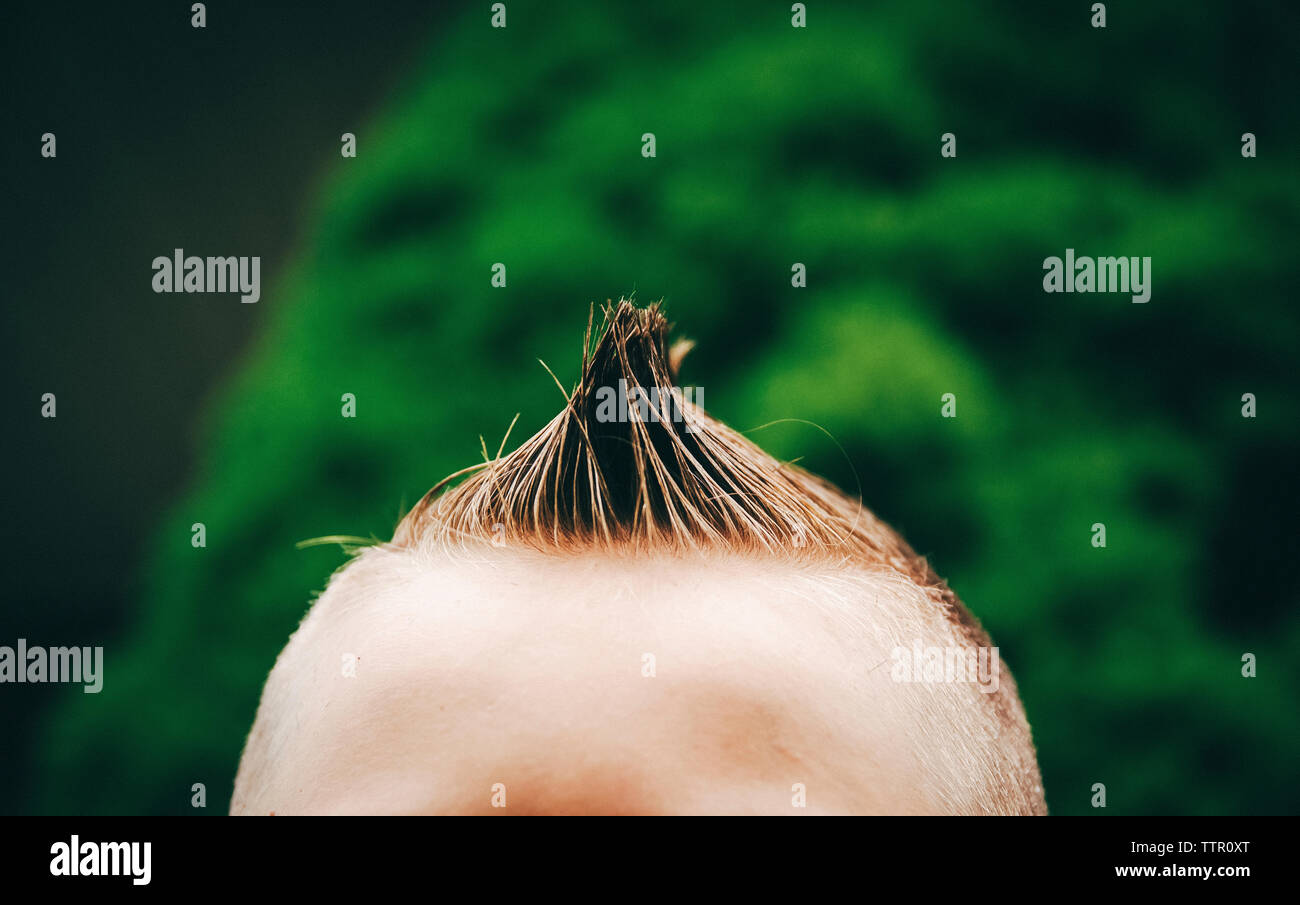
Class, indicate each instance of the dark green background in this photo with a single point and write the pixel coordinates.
(775, 145)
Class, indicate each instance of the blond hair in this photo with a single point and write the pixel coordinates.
(678, 479)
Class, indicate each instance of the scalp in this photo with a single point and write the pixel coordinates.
(528, 669)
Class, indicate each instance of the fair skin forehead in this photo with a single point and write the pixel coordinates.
(531, 671)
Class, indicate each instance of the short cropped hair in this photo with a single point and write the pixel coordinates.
(665, 477)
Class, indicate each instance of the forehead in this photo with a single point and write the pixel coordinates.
(419, 682)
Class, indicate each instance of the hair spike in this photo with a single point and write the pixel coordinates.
(659, 476)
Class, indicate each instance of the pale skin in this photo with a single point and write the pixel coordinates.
(616, 684)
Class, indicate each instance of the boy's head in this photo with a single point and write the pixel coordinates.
(639, 611)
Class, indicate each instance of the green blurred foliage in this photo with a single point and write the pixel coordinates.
(821, 145)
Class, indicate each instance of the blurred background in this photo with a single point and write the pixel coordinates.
(775, 145)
